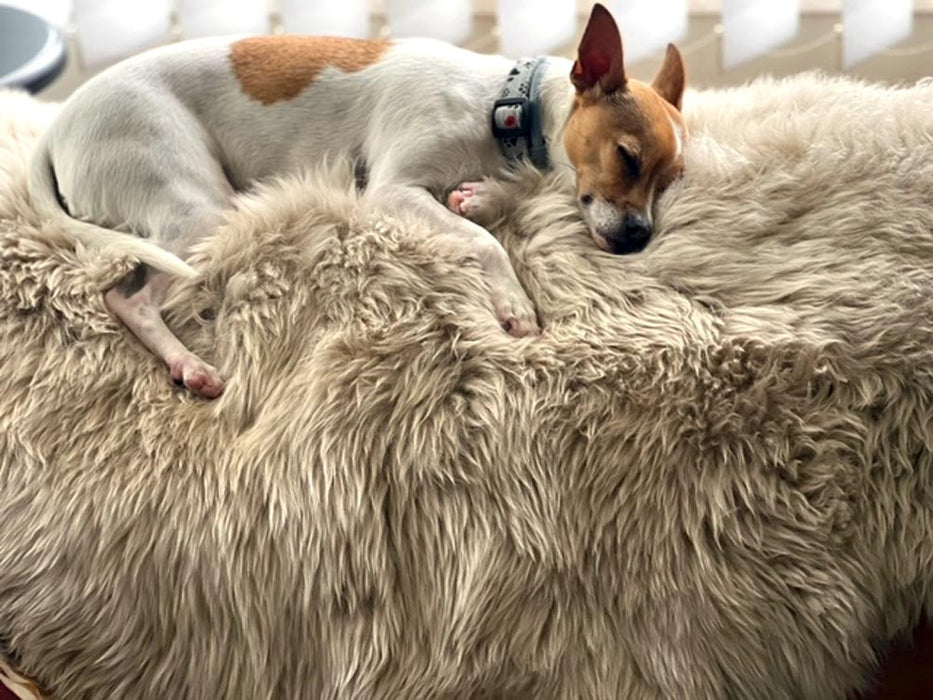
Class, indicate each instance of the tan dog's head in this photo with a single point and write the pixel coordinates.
(625, 138)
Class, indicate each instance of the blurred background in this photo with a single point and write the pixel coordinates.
(725, 42)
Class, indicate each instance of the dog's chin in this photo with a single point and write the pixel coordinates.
(601, 241)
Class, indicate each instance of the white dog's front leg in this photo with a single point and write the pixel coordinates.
(513, 308)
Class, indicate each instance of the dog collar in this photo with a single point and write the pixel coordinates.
(516, 114)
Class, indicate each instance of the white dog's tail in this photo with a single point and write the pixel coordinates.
(44, 194)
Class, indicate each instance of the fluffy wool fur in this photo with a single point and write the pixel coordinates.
(709, 477)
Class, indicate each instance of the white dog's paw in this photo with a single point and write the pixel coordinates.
(468, 200)
(516, 313)
(197, 376)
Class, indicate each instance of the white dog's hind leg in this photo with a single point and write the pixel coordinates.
(137, 299)
(154, 171)
(136, 302)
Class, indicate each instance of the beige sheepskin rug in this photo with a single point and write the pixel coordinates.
(709, 477)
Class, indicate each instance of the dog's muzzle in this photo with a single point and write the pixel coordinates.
(632, 236)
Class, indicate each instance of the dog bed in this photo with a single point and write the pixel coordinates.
(709, 477)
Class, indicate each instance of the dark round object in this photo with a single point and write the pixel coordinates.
(32, 51)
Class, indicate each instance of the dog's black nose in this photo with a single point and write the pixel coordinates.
(632, 236)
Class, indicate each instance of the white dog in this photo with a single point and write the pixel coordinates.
(158, 144)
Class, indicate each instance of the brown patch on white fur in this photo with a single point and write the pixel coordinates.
(274, 68)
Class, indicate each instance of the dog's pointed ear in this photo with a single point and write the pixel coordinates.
(599, 57)
(671, 79)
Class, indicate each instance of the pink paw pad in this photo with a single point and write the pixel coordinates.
(198, 377)
(205, 385)
(463, 200)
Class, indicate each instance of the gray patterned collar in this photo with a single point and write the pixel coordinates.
(517, 119)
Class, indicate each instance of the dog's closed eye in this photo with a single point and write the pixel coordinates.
(630, 160)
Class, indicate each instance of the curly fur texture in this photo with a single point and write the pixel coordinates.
(710, 477)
